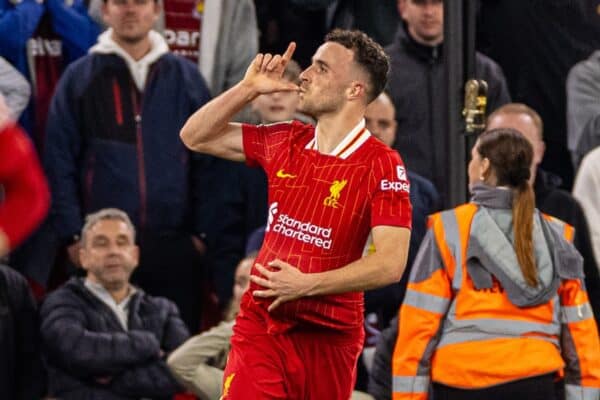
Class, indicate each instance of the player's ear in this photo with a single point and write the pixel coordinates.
(356, 90)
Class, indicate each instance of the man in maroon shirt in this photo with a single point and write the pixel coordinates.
(300, 329)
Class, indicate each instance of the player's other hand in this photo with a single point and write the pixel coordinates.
(282, 284)
(264, 75)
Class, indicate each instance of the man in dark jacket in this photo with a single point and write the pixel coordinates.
(22, 376)
(113, 141)
(102, 337)
(416, 86)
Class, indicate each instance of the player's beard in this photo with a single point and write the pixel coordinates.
(317, 105)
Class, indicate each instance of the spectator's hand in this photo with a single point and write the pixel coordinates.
(4, 113)
(73, 253)
(285, 283)
(199, 245)
(264, 75)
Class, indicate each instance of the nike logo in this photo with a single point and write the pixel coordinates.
(283, 175)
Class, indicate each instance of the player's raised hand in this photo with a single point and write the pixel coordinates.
(265, 73)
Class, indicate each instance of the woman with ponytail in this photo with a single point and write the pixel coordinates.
(496, 307)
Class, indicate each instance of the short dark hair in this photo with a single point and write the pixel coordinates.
(368, 54)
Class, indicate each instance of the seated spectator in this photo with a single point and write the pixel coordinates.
(587, 192)
(583, 107)
(102, 337)
(199, 363)
(22, 376)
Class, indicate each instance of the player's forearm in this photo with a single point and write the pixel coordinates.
(213, 118)
(370, 272)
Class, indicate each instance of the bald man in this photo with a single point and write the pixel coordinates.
(548, 197)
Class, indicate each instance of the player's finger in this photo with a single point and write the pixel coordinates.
(275, 304)
(264, 293)
(287, 87)
(263, 271)
(277, 263)
(261, 281)
(258, 61)
(274, 63)
(289, 52)
(266, 60)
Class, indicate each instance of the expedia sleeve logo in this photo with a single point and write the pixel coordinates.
(401, 185)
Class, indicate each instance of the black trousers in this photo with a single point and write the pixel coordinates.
(537, 388)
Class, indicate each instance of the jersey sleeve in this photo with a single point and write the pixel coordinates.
(390, 204)
(262, 142)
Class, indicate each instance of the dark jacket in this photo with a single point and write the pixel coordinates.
(90, 355)
(108, 145)
(22, 376)
(553, 201)
(416, 87)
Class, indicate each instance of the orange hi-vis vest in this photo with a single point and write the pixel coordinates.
(452, 333)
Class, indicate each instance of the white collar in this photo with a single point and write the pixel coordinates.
(139, 69)
(349, 144)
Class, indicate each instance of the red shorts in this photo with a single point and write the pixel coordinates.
(309, 364)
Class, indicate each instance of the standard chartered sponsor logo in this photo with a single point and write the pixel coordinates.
(303, 231)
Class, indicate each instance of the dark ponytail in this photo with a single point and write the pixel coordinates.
(510, 156)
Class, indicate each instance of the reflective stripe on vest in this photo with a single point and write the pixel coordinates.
(471, 330)
(410, 384)
(575, 392)
(452, 237)
(425, 301)
(576, 313)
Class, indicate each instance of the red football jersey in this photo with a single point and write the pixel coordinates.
(321, 210)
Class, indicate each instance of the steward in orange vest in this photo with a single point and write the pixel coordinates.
(475, 324)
